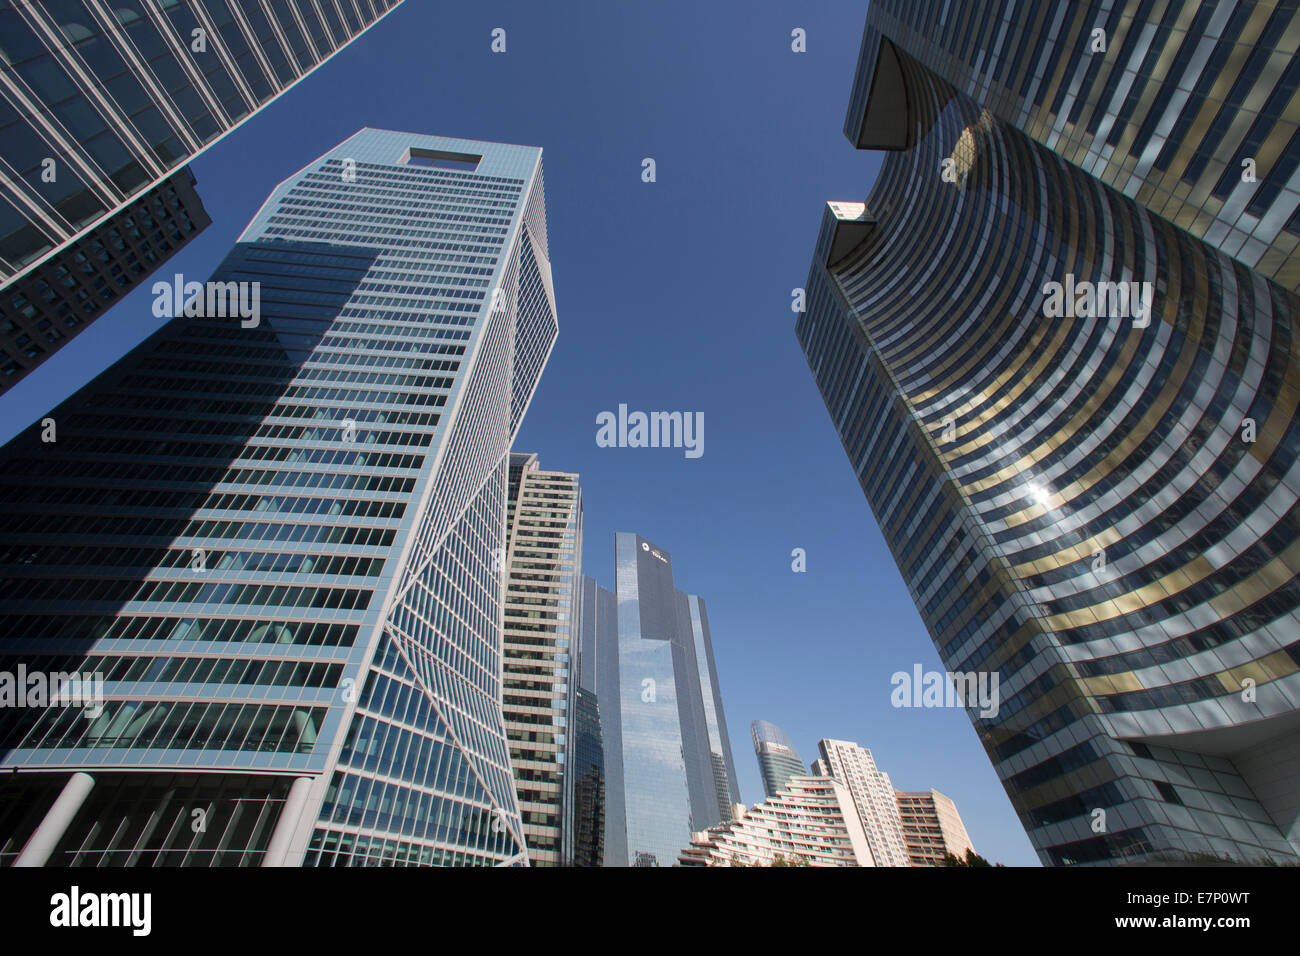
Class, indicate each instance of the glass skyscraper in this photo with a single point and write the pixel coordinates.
(1098, 502)
(543, 563)
(588, 770)
(661, 711)
(600, 793)
(277, 539)
(100, 103)
(778, 761)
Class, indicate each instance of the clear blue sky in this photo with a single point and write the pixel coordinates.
(673, 295)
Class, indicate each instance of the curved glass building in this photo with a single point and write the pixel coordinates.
(1074, 417)
(778, 761)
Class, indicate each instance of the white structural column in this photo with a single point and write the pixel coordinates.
(47, 835)
(278, 849)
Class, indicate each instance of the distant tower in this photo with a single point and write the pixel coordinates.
(778, 761)
(543, 566)
(668, 757)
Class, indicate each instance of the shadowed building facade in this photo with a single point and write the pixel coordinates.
(1098, 502)
(101, 105)
(278, 539)
(588, 769)
(55, 300)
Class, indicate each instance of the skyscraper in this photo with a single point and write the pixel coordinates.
(1058, 344)
(932, 827)
(778, 761)
(277, 538)
(55, 300)
(588, 769)
(669, 771)
(873, 795)
(543, 561)
(811, 821)
(101, 104)
(600, 789)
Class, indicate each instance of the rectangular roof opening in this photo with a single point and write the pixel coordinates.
(440, 159)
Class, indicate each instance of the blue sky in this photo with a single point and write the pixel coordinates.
(672, 295)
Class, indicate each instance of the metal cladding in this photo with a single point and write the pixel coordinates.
(1075, 422)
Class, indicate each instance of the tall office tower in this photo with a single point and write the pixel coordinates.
(873, 794)
(277, 537)
(543, 579)
(932, 827)
(588, 769)
(598, 669)
(55, 300)
(1162, 100)
(778, 761)
(101, 104)
(1095, 499)
(811, 821)
(669, 771)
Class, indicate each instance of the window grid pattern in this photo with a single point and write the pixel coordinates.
(1001, 450)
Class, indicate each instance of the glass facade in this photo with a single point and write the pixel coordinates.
(598, 675)
(1098, 505)
(277, 538)
(778, 761)
(588, 768)
(725, 788)
(101, 102)
(676, 774)
(1164, 105)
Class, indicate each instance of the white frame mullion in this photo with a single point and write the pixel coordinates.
(104, 105)
(142, 73)
(218, 45)
(325, 24)
(306, 34)
(181, 52)
(254, 44)
(289, 55)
